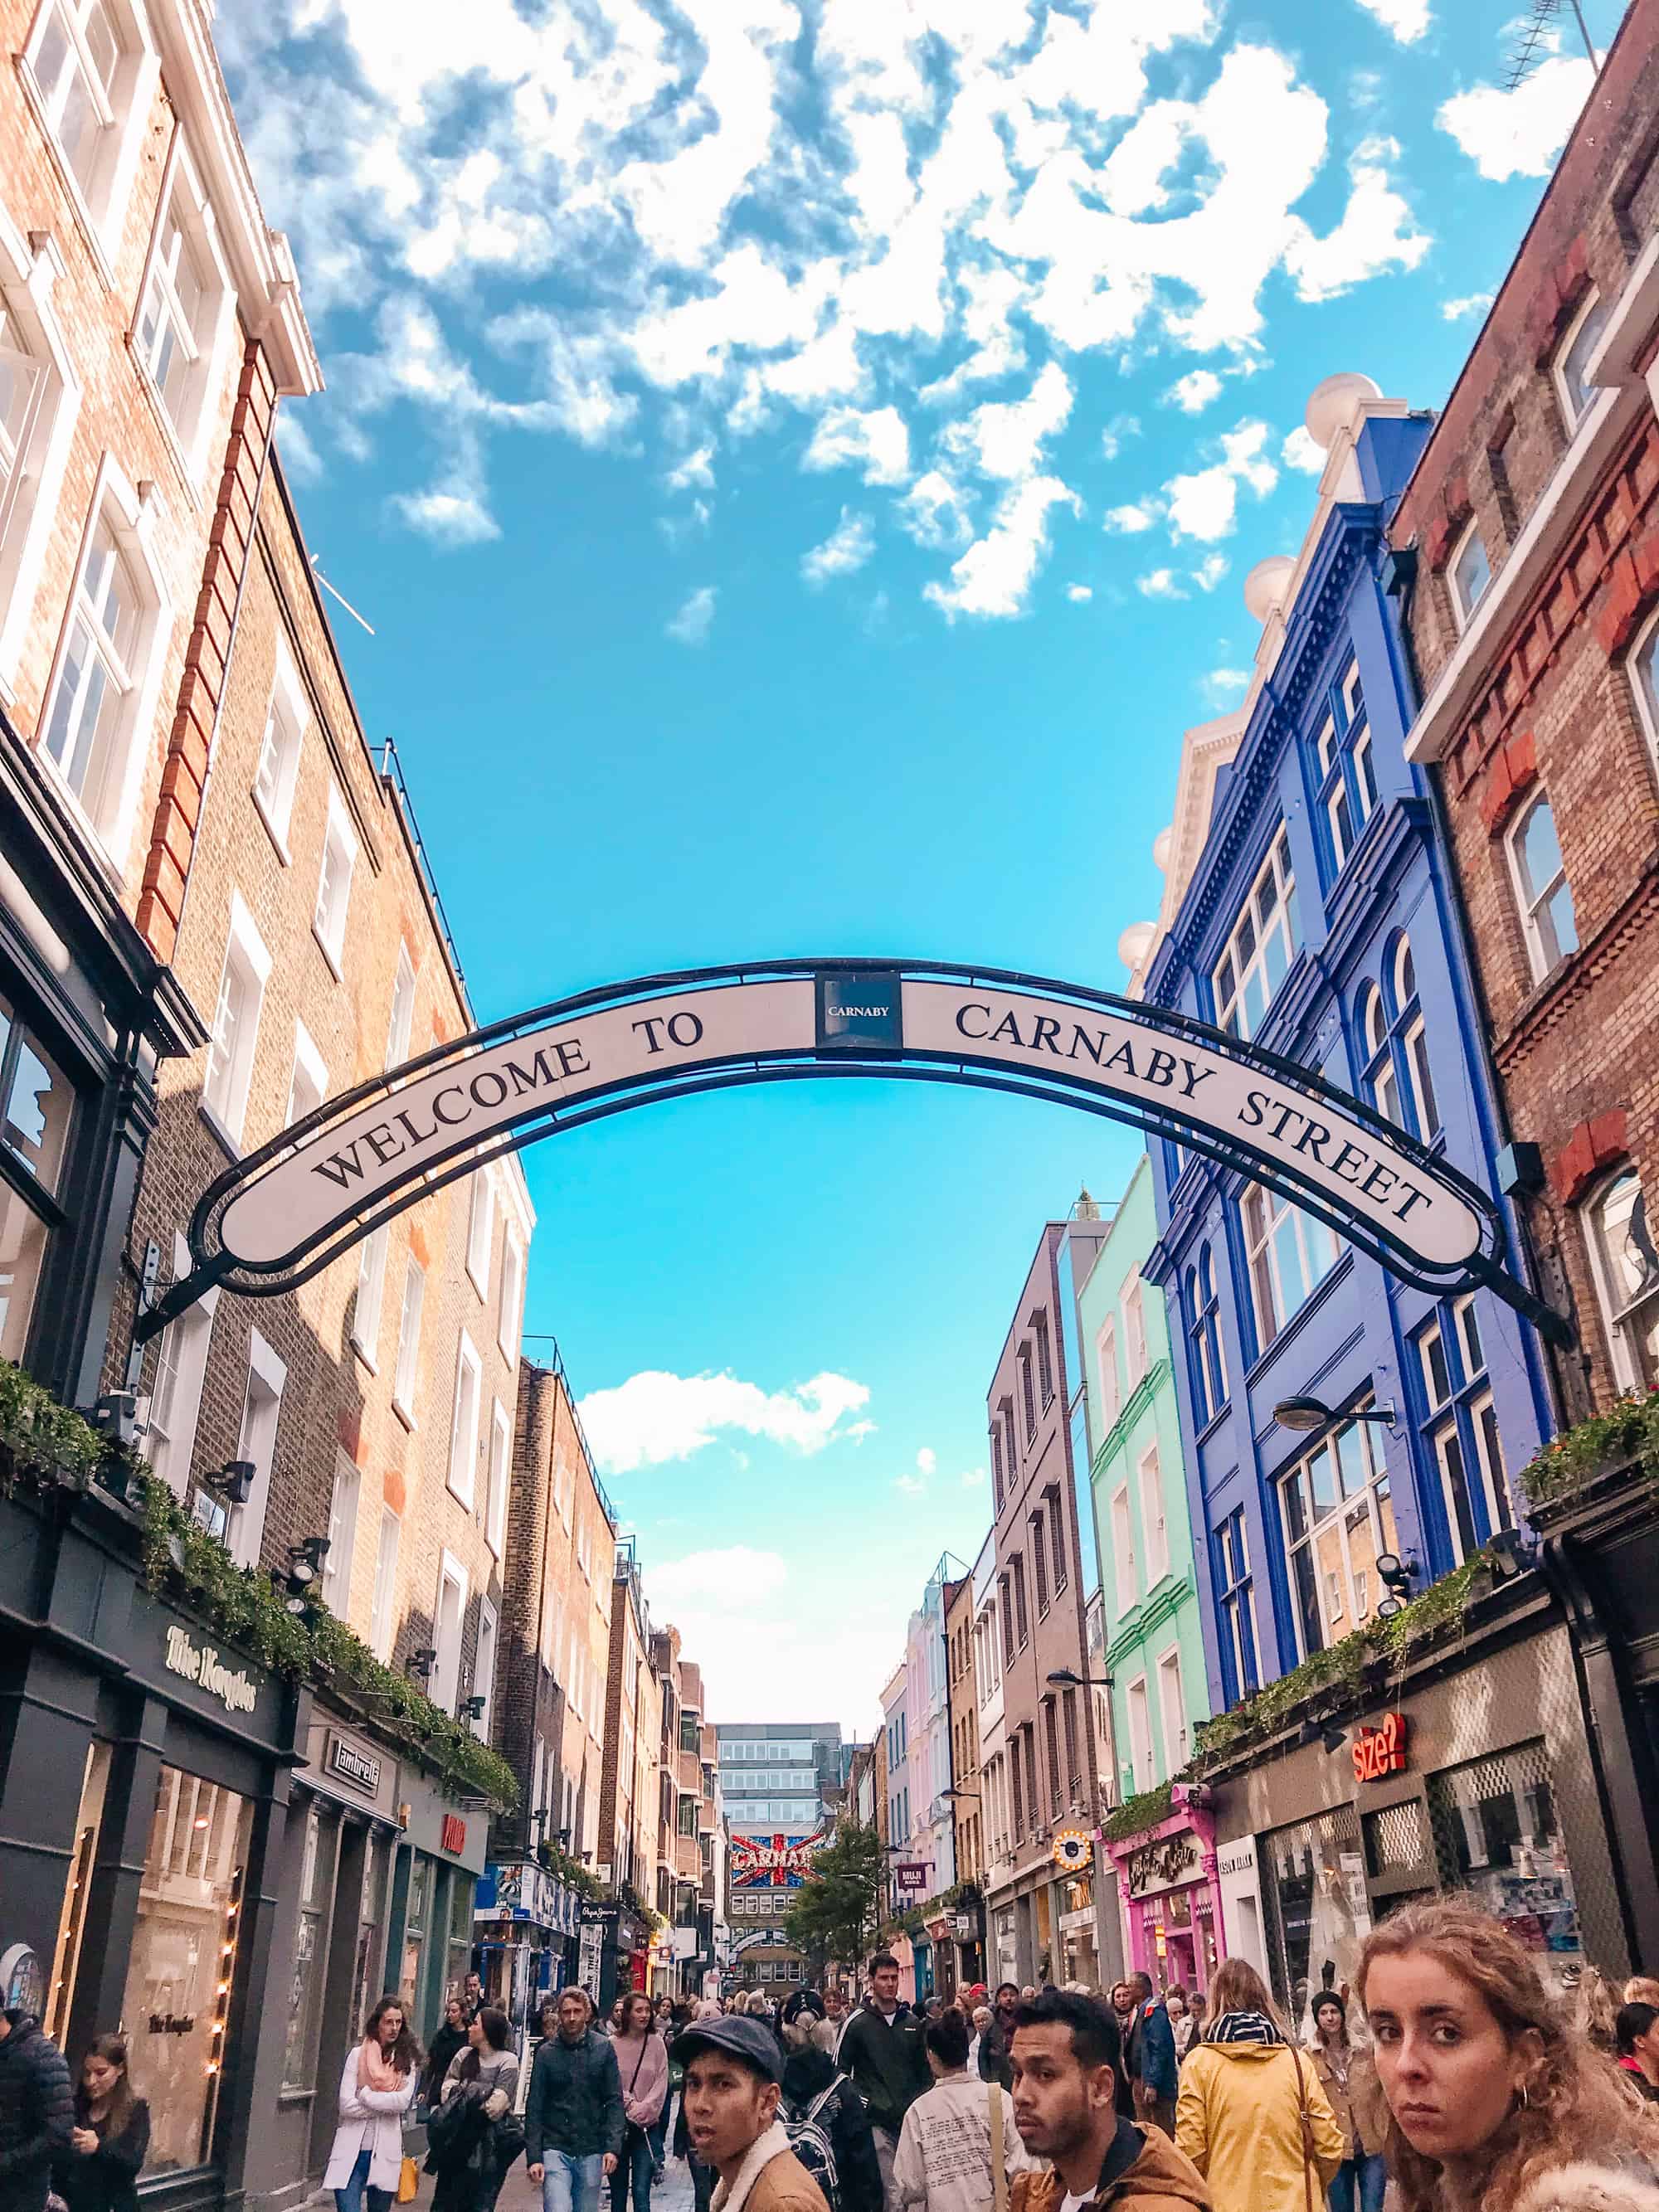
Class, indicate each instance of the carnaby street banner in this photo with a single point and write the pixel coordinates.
(772, 1862)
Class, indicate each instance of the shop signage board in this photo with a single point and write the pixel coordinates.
(294, 1205)
(1169, 1863)
(517, 1890)
(911, 1880)
(1074, 1850)
(352, 1764)
(775, 1862)
(202, 1663)
(1380, 1751)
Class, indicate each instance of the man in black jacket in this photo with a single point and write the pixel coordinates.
(37, 2111)
(881, 2049)
(573, 2120)
(995, 2064)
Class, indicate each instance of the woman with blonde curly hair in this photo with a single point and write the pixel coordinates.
(1496, 2104)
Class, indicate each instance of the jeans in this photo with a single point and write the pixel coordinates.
(638, 2160)
(350, 2198)
(570, 2184)
(1360, 2184)
(886, 2151)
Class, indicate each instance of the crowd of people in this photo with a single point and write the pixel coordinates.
(1448, 2077)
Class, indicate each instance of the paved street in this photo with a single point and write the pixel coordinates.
(521, 2194)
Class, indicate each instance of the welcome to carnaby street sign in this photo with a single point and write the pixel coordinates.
(300, 1201)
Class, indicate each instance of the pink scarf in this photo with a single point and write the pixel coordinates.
(375, 2070)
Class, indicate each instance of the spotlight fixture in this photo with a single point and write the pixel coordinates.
(1512, 1555)
(473, 1707)
(421, 1662)
(1397, 1573)
(233, 1482)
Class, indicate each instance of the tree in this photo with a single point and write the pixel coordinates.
(834, 1914)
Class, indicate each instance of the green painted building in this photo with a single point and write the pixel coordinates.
(1154, 1646)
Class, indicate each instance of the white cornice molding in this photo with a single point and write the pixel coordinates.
(261, 262)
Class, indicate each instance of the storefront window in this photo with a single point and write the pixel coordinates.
(67, 1957)
(415, 1923)
(459, 1962)
(363, 1993)
(184, 1954)
(299, 2057)
(1497, 1836)
(34, 1126)
(1315, 1884)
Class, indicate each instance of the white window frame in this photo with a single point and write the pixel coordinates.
(343, 1505)
(184, 1346)
(1469, 538)
(1172, 1708)
(1228, 1005)
(1125, 1579)
(444, 1683)
(406, 1374)
(400, 1027)
(1448, 1439)
(206, 350)
(1154, 1521)
(262, 1409)
(1471, 1341)
(1111, 1391)
(29, 269)
(1142, 1758)
(1616, 1319)
(1642, 663)
(247, 960)
(1381, 1074)
(1532, 904)
(480, 1231)
(309, 1075)
(1435, 1398)
(501, 1478)
(1489, 1458)
(1271, 1210)
(509, 1326)
(288, 717)
(1135, 1334)
(483, 1669)
(335, 870)
(1572, 414)
(131, 521)
(100, 202)
(1376, 1474)
(371, 1298)
(462, 1467)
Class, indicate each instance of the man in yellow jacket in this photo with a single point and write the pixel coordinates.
(1065, 2052)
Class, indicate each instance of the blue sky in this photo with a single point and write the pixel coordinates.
(799, 459)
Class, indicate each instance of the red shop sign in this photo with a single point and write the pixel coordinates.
(1381, 1750)
(453, 1834)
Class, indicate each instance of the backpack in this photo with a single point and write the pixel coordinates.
(810, 2139)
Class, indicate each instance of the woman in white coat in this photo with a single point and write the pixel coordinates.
(376, 2087)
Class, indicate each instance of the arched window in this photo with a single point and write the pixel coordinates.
(1397, 1079)
(1626, 1270)
(1209, 1370)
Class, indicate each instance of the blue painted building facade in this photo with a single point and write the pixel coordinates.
(1320, 920)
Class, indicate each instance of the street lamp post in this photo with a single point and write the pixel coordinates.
(1108, 1934)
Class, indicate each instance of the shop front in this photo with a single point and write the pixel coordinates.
(143, 1796)
(1170, 1901)
(525, 1927)
(435, 1877)
(1472, 1773)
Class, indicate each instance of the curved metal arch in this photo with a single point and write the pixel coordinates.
(565, 1103)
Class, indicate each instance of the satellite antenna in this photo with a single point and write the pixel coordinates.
(1536, 34)
(318, 566)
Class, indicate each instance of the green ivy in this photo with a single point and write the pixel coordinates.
(571, 1872)
(1136, 1814)
(1628, 1431)
(52, 1446)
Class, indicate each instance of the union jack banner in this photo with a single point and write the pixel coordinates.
(773, 1862)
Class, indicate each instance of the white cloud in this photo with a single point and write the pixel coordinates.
(1079, 593)
(927, 1459)
(1223, 686)
(973, 1477)
(303, 462)
(1006, 438)
(912, 1485)
(692, 624)
(1375, 233)
(1161, 584)
(994, 577)
(878, 440)
(1117, 434)
(1194, 392)
(1210, 571)
(655, 1417)
(696, 470)
(1205, 505)
(452, 512)
(1130, 521)
(1519, 134)
(1472, 303)
(1407, 19)
(847, 547)
(738, 1576)
(935, 512)
(1302, 453)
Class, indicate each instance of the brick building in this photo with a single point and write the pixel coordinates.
(629, 1796)
(1533, 524)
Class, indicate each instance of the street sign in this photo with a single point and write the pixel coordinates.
(295, 1204)
(912, 1880)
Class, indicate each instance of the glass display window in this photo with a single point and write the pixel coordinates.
(176, 2009)
(1318, 1906)
(1497, 1837)
(66, 1957)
